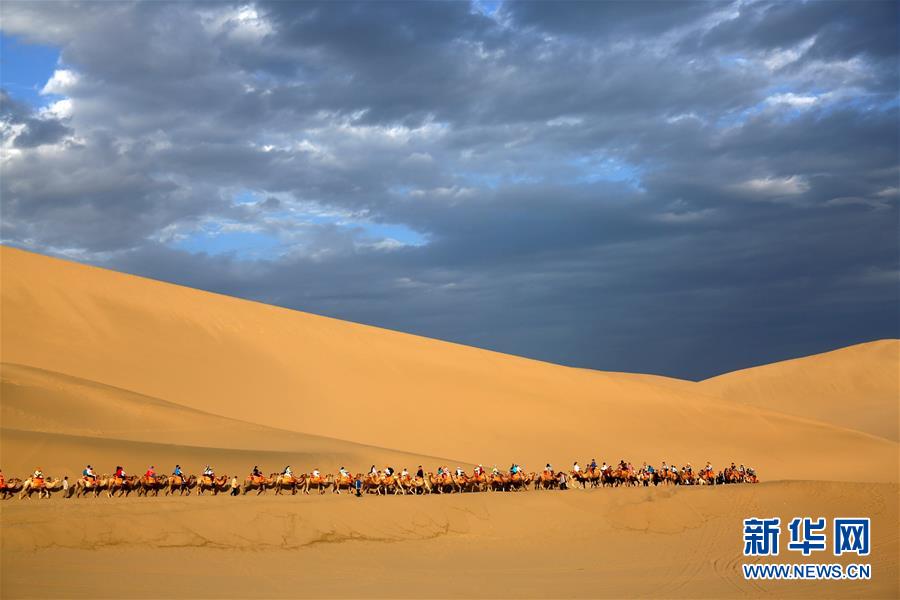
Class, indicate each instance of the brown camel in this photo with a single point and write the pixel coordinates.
(343, 482)
(258, 483)
(42, 487)
(84, 486)
(123, 485)
(152, 485)
(321, 483)
(288, 482)
(183, 485)
(214, 484)
(11, 487)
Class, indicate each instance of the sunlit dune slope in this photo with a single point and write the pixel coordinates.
(856, 387)
(60, 423)
(304, 373)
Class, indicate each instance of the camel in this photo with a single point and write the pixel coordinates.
(665, 476)
(343, 482)
(288, 482)
(518, 482)
(321, 483)
(730, 475)
(591, 476)
(545, 481)
(152, 484)
(258, 483)
(441, 484)
(12, 487)
(497, 482)
(214, 484)
(707, 478)
(478, 483)
(83, 486)
(644, 478)
(124, 486)
(43, 487)
(415, 485)
(687, 478)
(391, 483)
(183, 484)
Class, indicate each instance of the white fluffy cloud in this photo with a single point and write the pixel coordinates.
(61, 83)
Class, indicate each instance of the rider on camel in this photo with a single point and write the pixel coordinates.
(176, 472)
(287, 472)
(549, 468)
(88, 473)
(343, 472)
(150, 473)
(208, 472)
(420, 472)
(256, 472)
(120, 473)
(576, 468)
(38, 477)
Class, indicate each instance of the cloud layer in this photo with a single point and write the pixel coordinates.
(679, 188)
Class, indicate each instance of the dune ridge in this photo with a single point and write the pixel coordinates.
(857, 387)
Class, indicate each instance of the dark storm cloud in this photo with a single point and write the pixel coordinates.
(841, 29)
(31, 131)
(680, 188)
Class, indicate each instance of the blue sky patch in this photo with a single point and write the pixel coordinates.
(25, 68)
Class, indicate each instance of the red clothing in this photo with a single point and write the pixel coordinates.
(149, 474)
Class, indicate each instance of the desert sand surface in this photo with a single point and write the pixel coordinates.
(856, 387)
(658, 542)
(107, 368)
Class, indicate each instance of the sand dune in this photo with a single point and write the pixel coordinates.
(856, 387)
(60, 423)
(679, 542)
(298, 372)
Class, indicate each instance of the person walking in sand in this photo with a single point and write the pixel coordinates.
(235, 486)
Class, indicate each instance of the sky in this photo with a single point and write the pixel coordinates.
(680, 188)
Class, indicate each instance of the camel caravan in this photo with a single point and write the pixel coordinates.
(375, 481)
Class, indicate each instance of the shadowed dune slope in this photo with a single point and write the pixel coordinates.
(303, 373)
(857, 387)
